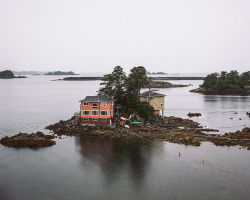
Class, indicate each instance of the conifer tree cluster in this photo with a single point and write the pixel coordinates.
(126, 90)
(225, 80)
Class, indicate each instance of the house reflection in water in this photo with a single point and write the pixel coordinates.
(117, 157)
(94, 150)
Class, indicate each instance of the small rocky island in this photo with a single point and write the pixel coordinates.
(225, 83)
(163, 84)
(171, 129)
(28, 140)
(8, 74)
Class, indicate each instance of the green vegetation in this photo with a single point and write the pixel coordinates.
(60, 73)
(126, 90)
(224, 80)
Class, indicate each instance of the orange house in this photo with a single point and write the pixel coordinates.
(97, 110)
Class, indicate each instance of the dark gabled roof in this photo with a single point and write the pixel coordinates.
(152, 94)
(97, 99)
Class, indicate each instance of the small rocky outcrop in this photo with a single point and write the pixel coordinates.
(193, 114)
(241, 138)
(28, 140)
(248, 113)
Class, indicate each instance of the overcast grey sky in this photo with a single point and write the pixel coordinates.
(97, 35)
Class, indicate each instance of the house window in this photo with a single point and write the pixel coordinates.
(94, 112)
(85, 119)
(161, 104)
(103, 112)
(103, 104)
(94, 105)
(95, 120)
(85, 103)
(85, 112)
(104, 120)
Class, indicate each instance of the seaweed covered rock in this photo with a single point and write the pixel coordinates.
(193, 114)
(177, 121)
(28, 140)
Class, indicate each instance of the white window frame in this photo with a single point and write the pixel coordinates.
(94, 106)
(103, 103)
(86, 119)
(96, 112)
(103, 111)
(85, 111)
(103, 119)
(85, 103)
(94, 119)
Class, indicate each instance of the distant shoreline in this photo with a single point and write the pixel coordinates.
(152, 78)
(8, 74)
(222, 92)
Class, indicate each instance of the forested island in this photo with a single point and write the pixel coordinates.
(226, 83)
(60, 73)
(8, 74)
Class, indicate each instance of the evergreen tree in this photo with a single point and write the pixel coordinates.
(210, 81)
(126, 91)
(244, 79)
(114, 85)
(136, 80)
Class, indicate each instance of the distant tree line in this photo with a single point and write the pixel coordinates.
(155, 72)
(126, 90)
(60, 73)
(225, 80)
(7, 74)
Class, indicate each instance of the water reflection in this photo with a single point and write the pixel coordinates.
(116, 157)
(227, 102)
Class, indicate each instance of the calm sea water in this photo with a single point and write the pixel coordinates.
(77, 168)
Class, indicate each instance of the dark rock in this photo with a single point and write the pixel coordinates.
(193, 114)
(28, 140)
(7, 74)
(248, 113)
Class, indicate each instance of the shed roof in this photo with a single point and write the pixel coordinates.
(100, 98)
(152, 94)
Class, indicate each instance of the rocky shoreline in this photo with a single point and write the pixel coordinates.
(171, 129)
(238, 91)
